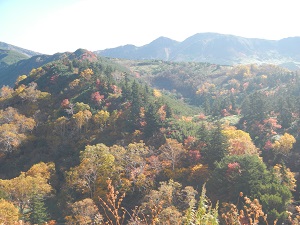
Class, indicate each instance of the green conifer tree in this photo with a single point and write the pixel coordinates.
(126, 92)
(136, 105)
(206, 105)
(152, 120)
(216, 107)
(217, 147)
(38, 214)
(168, 109)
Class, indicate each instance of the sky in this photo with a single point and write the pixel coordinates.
(50, 26)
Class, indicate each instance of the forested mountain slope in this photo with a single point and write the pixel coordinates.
(87, 140)
(9, 73)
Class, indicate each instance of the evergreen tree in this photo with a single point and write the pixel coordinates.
(136, 105)
(203, 135)
(206, 104)
(246, 107)
(146, 95)
(216, 107)
(248, 174)
(108, 72)
(217, 147)
(285, 112)
(233, 101)
(126, 89)
(257, 108)
(38, 214)
(70, 66)
(168, 110)
(152, 120)
(226, 102)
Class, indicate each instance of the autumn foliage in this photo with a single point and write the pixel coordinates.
(88, 142)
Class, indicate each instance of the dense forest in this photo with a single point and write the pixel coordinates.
(89, 140)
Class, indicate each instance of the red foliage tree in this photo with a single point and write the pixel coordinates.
(194, 156)
(65, 103)
(96, 97)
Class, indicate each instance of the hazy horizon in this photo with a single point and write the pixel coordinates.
(58, 26)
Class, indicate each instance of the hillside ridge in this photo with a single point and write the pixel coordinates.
(23, 51)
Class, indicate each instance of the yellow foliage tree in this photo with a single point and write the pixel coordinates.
(13, 128)
(21, 189)
(6, 92)
(20, 78)
(79, 120)
(87, 74)
(135, 164)
(131, 166)
(285, 175)
(20, 89)
(157, 93)
(37, 72)
(41, 169)
(284, 144)
(101, 118)
(96, 164)
(206, 87)
(31, 93)
(10, 138)
(244, 70)
(80, 106)
(74, 83)
(84, 212)
(87, 116)
(9, 214)
(239, 141)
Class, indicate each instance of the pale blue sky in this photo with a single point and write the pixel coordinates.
(50, 26)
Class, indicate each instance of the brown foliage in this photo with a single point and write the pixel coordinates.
(251, 212)
(114, 214)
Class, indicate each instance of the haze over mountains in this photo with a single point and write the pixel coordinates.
(23, 51)
(215, 48)
(202, 47)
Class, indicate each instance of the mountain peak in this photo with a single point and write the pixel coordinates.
(83, 54)
(215, 48)
(163, 41)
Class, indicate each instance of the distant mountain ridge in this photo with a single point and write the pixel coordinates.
(23, 51)
(8, 57)
(157, 49)
(215, 48)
